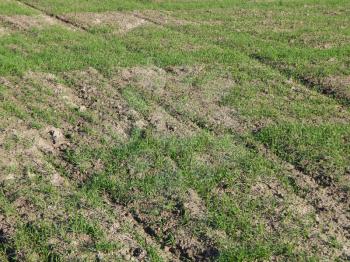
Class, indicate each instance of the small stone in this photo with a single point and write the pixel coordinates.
(317, 219)
(57, 180)
(127, 257)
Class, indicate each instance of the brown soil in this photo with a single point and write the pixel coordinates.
(120, 22)
(106, 101)
(164, 18)
(164, 124)
(194, 205)
(3, 31)
(128, 219)
(333, 86)
(339, 85)
(21, 148)
(24, 22)
(174, 237)
(197, 104)
(99, 97)
(288, 213)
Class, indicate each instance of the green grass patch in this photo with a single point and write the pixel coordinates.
(56, 49)
(143, 170)
(9, 7)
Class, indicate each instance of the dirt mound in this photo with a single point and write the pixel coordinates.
(23, 153)
(105, 101)
(172, 89)
(165, 124)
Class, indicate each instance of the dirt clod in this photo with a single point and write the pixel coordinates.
(56, 136)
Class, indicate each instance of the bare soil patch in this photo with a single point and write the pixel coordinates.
(134, 250)
(180, 240)
(165, 124)
(319, 41)
(164, 18)
(105, 101)
(24, 22)
(173, 90)
(194, 205)
(288, 214)
(3, 31)
(21, 148)
(340, 85)
(120, 22)
(334, 86)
